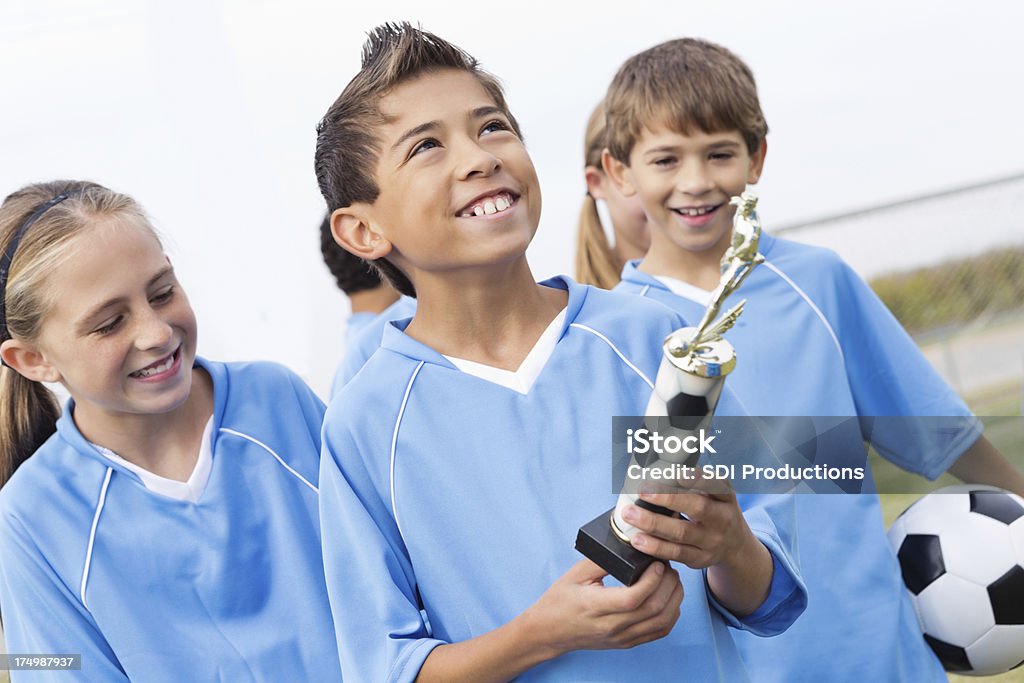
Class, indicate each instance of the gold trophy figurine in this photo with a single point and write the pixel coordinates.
(738, 261)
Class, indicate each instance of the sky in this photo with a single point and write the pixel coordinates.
(205, 112)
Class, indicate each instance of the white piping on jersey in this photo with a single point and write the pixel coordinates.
(270, 450)
(835, 340)
(92, 534)
(643, 292)
(616, 350)
(394, 444)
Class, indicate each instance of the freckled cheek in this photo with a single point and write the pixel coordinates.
(103, 365)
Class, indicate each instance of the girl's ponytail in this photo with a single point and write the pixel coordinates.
(28, 416)
(596, 263)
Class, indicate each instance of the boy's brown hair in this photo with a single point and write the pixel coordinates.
(346, 145)
(686, 85)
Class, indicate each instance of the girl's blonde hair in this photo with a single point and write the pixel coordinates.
(596, 262)
(28, 410)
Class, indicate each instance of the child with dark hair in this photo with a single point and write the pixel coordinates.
(372, 302)
(359, 280)
(459, 463)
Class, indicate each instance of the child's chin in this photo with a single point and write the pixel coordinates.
(696, 243)
(172, 399)
(510, 245)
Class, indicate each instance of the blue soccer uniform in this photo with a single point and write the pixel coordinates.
(461, 496)
(218, 581)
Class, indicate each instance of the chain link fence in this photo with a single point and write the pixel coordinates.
(950, 266)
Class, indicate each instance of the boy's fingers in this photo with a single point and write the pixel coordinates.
(659, 625)
(696, 506)
(659, 599)
(669, 528)
(585, 571)
(667, 550)
(630, 598)
(716, 487)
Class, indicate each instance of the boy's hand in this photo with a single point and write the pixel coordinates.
(714, 533)
(715, 536)
(578, 612)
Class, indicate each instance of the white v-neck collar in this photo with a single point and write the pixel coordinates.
(522, 379)
(685, 289)
(189, 490)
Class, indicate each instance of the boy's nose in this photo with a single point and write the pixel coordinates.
(693, 181)
(478, 161)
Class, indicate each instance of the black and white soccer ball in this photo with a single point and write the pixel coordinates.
(961, 550)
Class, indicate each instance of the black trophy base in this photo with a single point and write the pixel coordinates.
(598, 542)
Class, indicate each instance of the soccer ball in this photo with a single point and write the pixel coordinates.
(961, 551)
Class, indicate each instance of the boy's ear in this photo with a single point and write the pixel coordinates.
(27, 360)
(353, 232)
(618, 172)
(757, 163)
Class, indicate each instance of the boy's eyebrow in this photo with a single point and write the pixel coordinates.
(413, 132)
(96, 310)
(672, 148)
(477, 113)
(480, 112)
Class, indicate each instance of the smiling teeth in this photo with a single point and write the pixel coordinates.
(696, 212)
(488, 206)
(163, 367)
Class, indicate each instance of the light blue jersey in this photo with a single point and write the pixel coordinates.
(814, 340)
(150, 588)
(446, 491)
(363, 339)
(356, 323)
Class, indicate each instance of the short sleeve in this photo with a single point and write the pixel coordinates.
(889, 376)
(42, 615)
(381, 633)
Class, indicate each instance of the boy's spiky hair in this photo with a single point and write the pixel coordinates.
(347, 145)
(686, 85)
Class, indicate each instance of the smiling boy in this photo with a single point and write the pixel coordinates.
(460, 462)
(685, 133)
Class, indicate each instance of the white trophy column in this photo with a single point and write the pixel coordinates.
(671, 382)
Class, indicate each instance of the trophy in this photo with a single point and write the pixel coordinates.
(690, 378)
